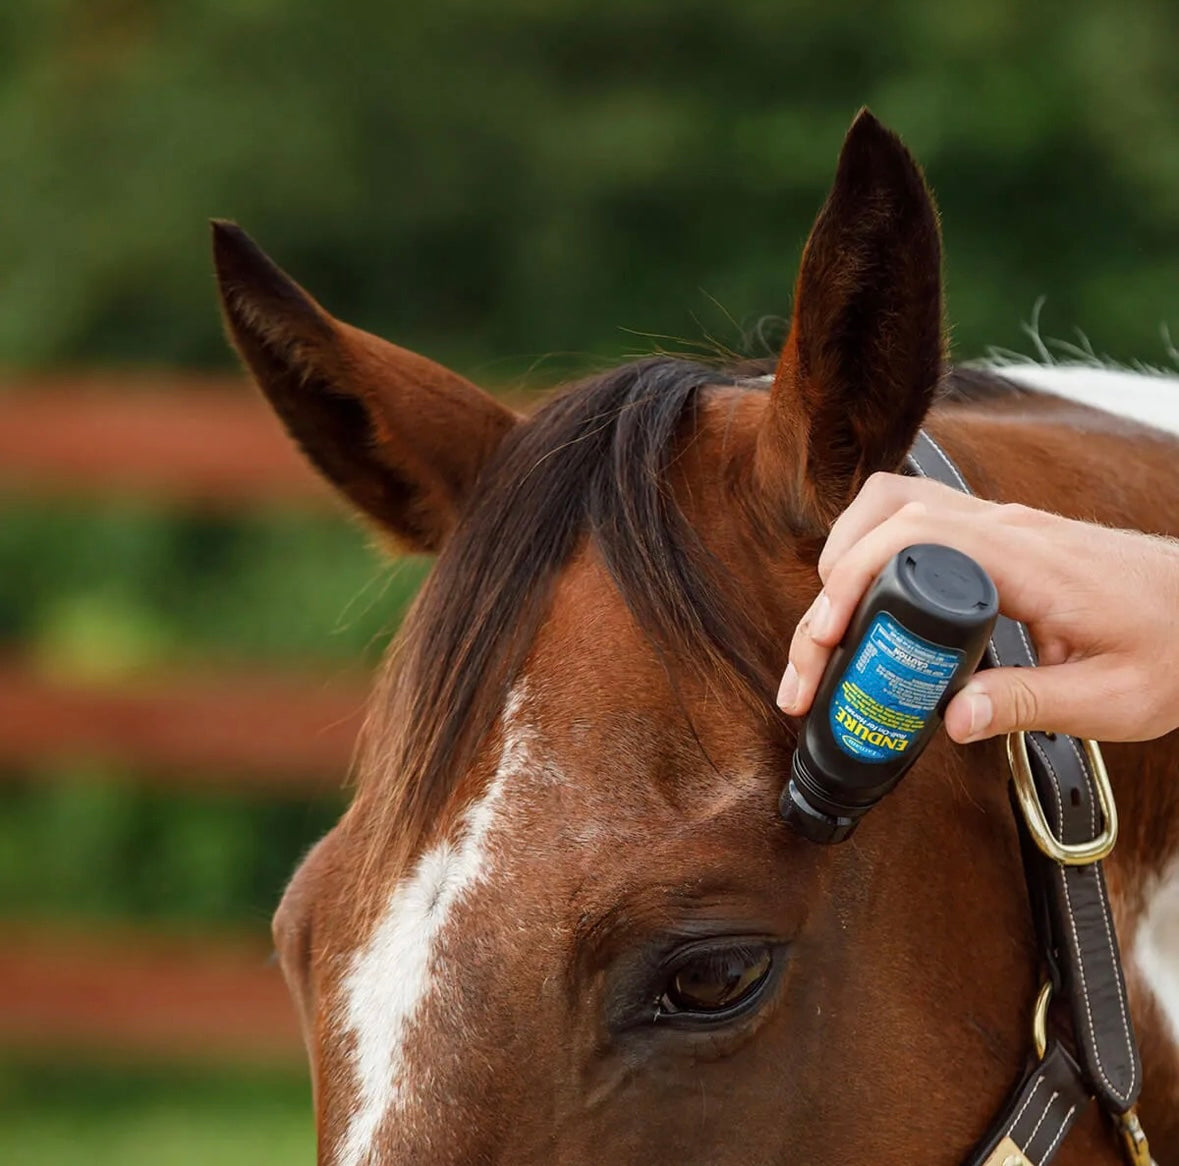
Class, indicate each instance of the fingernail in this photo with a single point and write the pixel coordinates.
(821, 619)
(981, 710)
(788, 689)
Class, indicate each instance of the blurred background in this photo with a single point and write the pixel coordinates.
(521, 189)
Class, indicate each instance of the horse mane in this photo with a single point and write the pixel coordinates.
(591, 463)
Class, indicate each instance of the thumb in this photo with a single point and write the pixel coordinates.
(1078, 698)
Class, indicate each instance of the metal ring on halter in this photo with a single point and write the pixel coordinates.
(1040, 1020)
(1074, 854)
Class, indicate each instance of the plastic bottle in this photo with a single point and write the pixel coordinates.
(916, 637)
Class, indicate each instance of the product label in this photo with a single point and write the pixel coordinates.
(890, 688)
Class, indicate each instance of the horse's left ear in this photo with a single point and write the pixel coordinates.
(402, 438)
(866, 349)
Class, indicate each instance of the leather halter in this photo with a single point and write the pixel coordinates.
(1067, 824)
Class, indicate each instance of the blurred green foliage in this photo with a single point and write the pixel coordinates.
(92, 845)
(493, 182)
(119, 587)
(98, 592)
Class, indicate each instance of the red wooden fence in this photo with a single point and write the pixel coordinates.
(193, 441)
(137, 993)
(253, 729)
(205, 441)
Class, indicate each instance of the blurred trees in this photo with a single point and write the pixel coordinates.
(493, 182)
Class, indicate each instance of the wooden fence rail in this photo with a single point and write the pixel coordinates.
(240, 728)
(200, 442)
(144, 995)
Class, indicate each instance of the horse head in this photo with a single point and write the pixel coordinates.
(561, 920)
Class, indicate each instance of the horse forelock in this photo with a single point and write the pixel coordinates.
(592, 464)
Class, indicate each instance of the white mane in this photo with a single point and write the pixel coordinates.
(1149, 397)
(1146, 393)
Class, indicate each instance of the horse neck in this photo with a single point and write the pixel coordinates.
(1086, 464)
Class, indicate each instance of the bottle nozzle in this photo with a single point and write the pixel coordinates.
(813, 824)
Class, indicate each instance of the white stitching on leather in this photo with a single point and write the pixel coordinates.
(1023, 635)
(1059, 873)
(1105, 918)
(949, 464)
(1036, 1127)
(1026, 1103)
(1118, 984)
(1059, 1134)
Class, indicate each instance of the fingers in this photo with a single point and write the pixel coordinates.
(1088, 698)
(882, 496)
(1022, 566)
(822, 627)
(810, 649)
(978, 530)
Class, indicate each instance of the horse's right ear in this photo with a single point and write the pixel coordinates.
(866, 350)
(402, 438)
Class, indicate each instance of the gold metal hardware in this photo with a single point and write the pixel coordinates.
(1135, 1147)
(1006, 1153)
(1074, 854)
(1040, 1020)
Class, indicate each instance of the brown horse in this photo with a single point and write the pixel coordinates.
(562, 921)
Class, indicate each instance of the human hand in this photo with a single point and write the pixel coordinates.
(1101, 605)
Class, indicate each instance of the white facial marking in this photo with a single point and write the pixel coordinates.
(390, 976)
(1156, 948)
(1148, 398)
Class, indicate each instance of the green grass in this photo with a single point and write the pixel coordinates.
(104, 1115)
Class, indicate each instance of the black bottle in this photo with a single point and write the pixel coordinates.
(917, 636)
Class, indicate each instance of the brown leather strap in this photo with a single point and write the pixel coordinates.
(1039, 1115)
(1071, 903)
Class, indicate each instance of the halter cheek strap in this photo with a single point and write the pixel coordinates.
(1067, 824)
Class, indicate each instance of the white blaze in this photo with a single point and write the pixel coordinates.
(390, 976)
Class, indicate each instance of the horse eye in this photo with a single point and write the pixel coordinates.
(713, 983)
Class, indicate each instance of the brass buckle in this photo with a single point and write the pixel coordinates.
(1067, 854)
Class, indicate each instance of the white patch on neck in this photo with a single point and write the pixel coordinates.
(390, 976)
(1156, 948)
(1146, 397)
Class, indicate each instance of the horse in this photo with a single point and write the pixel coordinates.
(562, 920)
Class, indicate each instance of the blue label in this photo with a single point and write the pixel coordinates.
(889, 690)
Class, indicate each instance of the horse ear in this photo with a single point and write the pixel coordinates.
(402, 438)
(866, 350)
